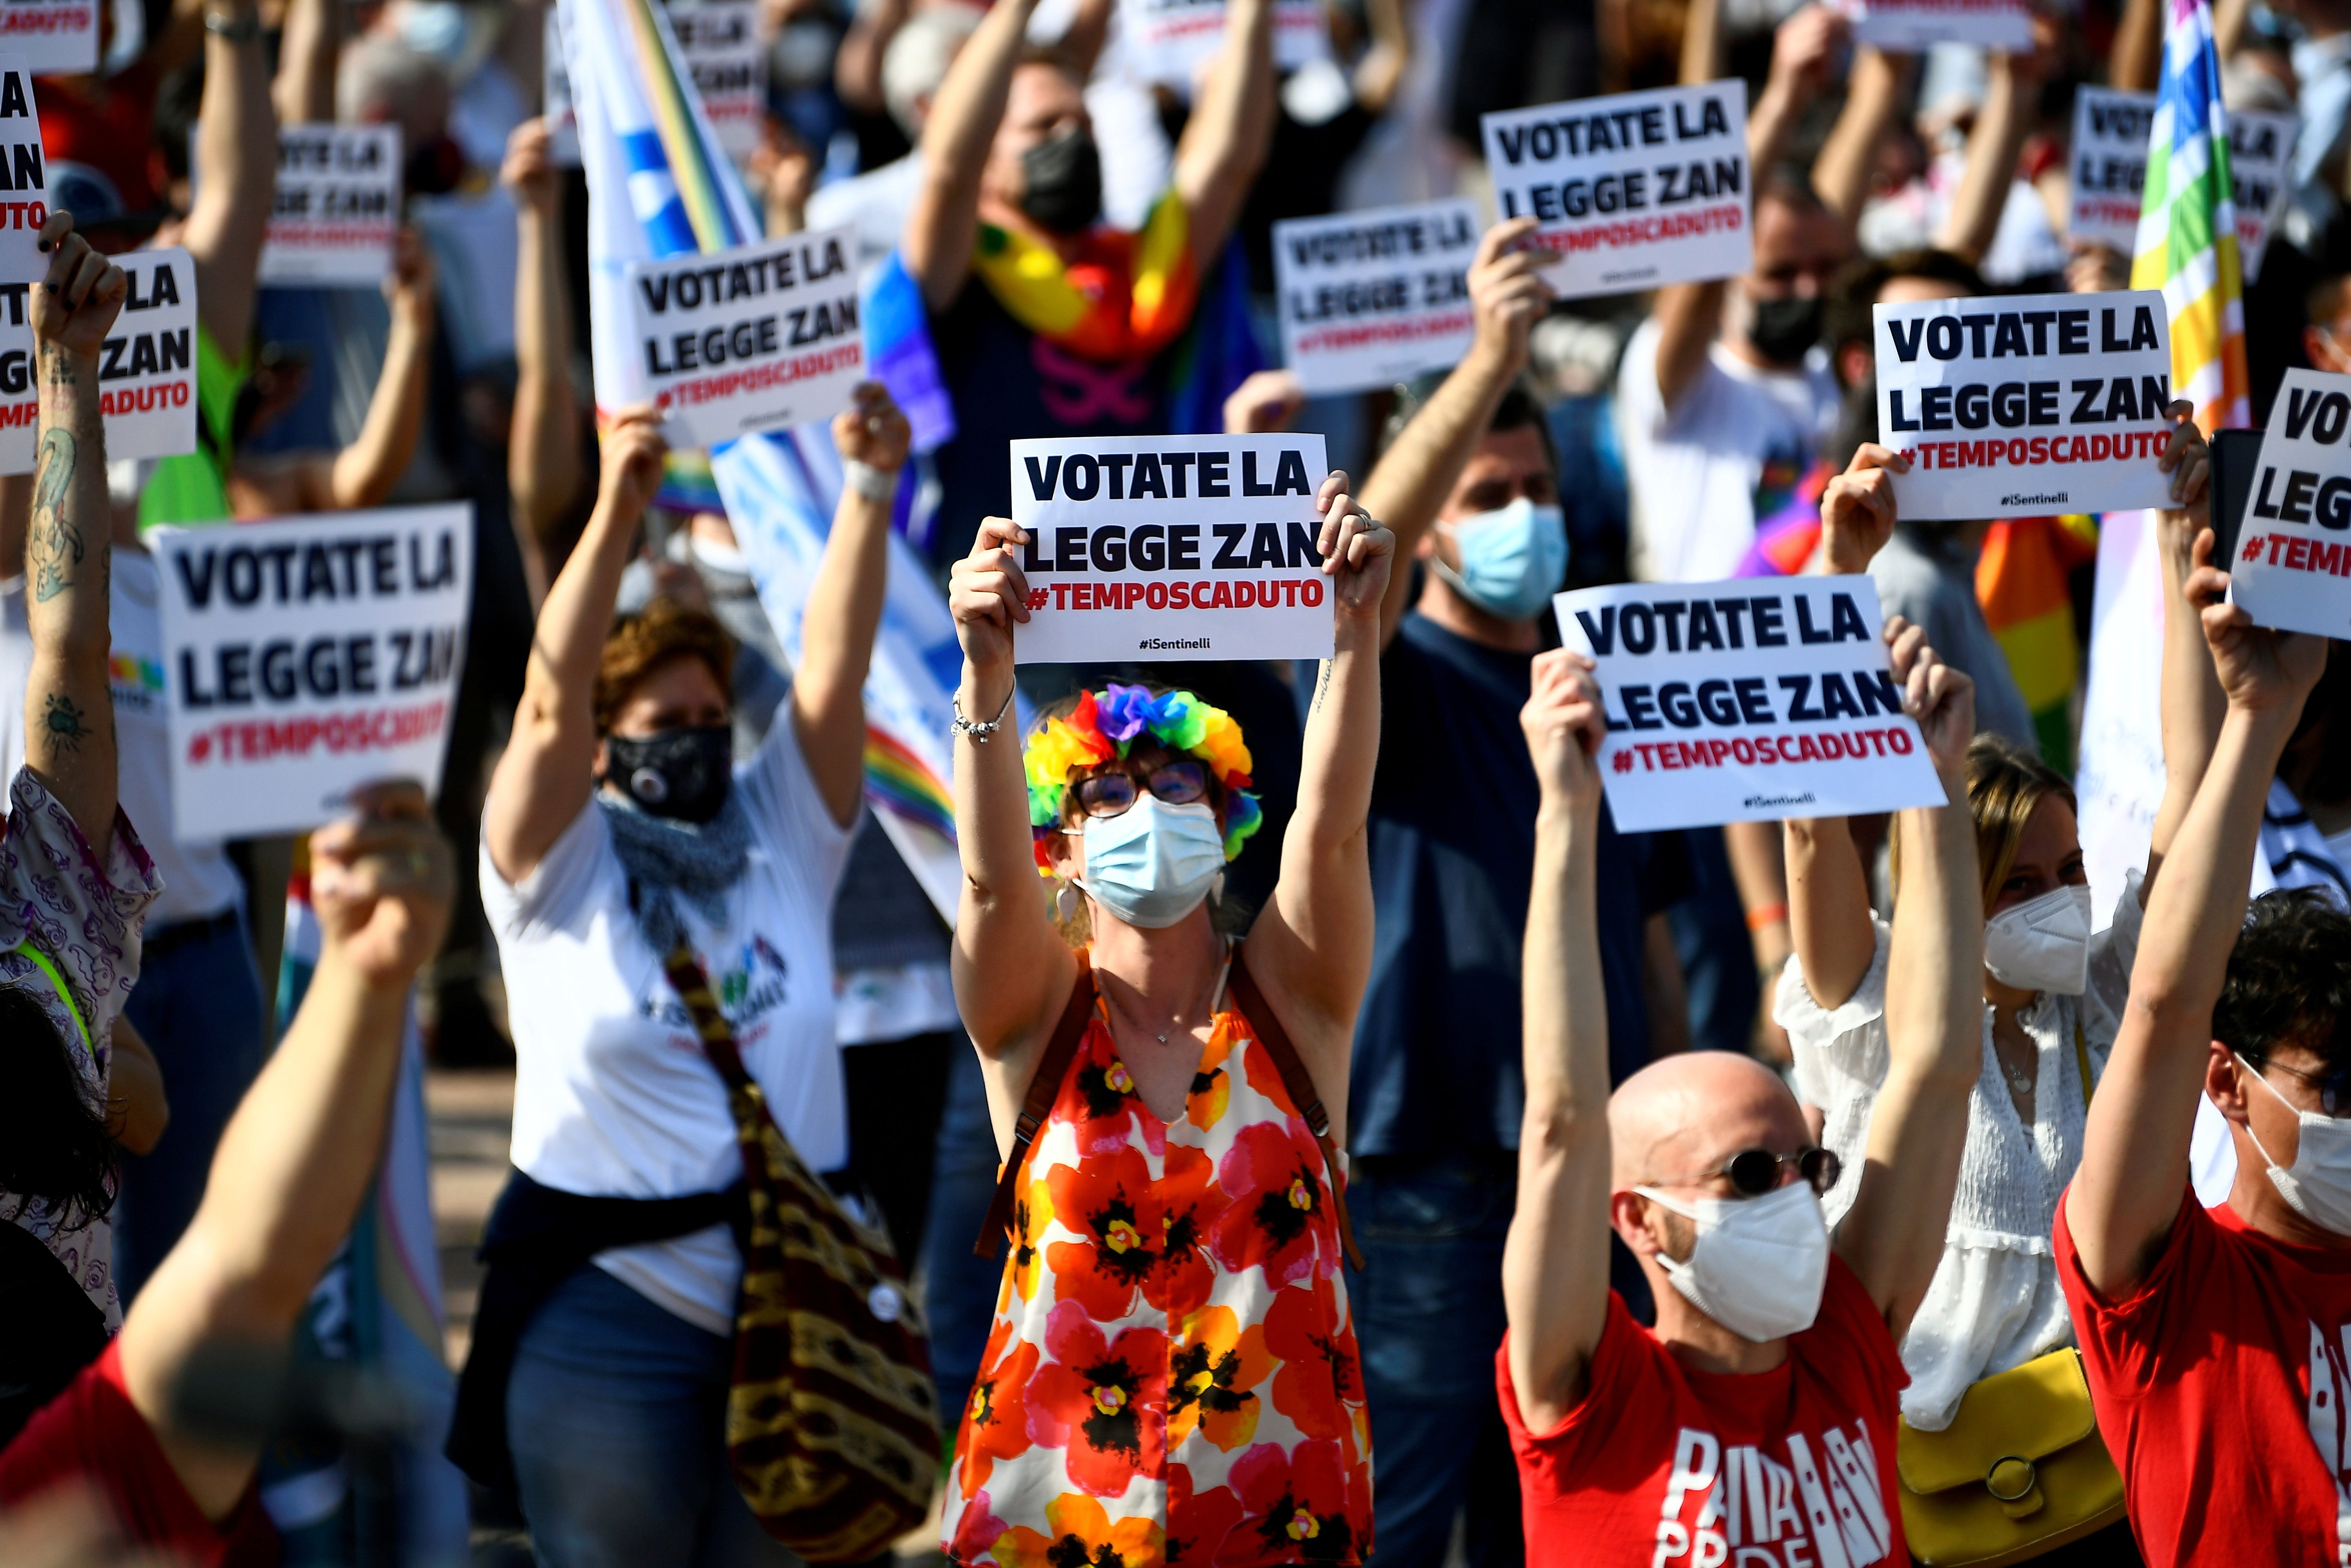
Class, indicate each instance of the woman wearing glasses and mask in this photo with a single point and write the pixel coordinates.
(1174, 1307)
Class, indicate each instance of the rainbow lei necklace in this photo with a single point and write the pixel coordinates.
(1104, 727)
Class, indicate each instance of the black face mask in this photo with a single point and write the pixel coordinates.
(1064, 180)
(1782, 330)
(681, 773)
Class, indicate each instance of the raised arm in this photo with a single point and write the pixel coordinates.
(1555, 1263)
(236, 152)
(1312, 945)
(857, 63)
(363, 473)
(845, 601)
(944, 223)
(299, 1153)
(2191, 704)
(2134, 1171)
(544, 461)
(1801, 50)
(1408, 485)
(69, 707)
(307, 50)
(1873, 96)
(1828, 890)
(1990, 169)
(1893, 1236)
(1225, 142)
(544, 778)
(1690, 314)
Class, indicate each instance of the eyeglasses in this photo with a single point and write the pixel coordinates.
(2334, 1087)
(1111, 794)
(1754, 1172)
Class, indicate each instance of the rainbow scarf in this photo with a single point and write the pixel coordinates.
(1786, 540)
(1107, 726)
(1121, 297)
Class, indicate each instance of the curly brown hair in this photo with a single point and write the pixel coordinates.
(662, 632)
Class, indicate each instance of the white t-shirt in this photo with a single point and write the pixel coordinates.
(198, 880)
(1730, 452)
(614, 1096)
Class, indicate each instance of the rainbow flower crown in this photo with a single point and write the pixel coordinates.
(1102, 728)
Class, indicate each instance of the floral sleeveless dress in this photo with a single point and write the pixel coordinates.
(1171, 1377)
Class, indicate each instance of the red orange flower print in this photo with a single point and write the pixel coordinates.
(1103, 1400)
(1272, 1183)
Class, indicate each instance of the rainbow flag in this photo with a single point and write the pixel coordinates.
(2023, 584)
(659, 184)
(2187, 224)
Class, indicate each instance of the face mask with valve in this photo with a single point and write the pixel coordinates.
(681, 773)
(2043, 944)
(1512, 559)
(1759, 1265)
(1152, 864)
(2317, 1186)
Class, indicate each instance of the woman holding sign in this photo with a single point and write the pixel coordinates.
(1174, 1308)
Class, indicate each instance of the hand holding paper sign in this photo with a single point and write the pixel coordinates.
(631, 470)
(75, 307)
(2259, 668)
(1857, 510)
(1358, 552)
(1939, 697)
(1507, 293)
(382, 880)
(1564, 724)
(987, 594)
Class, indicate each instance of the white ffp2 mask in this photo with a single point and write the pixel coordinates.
(2043, 944)
(2317, 1186)
(1760, 1263)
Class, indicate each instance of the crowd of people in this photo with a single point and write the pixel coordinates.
(1371, 1150)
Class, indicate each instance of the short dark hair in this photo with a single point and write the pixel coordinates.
(664, 632)
(2289, 981)
(53, 1142)
(1519, 410)
(1791, 185)
(1854, 291)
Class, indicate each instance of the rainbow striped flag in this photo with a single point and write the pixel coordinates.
(2187, 224)
(2023, 584)
(659, 184)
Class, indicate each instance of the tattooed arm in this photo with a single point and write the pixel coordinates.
(68, 713)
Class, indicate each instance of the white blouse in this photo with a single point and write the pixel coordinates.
(1994, 1302)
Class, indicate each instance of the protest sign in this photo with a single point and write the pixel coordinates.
(50, 37)
(337, 206)
(1170, 40)
(2261, 177)
(719, 41)
(1371, 298)
(756, 337)
(146, 372)
(23, 180)
(1907, 27)
(1746, 701)
(2110, 138)
(2292, 563)
(1198, 547)
(1632, 191)
(307, 655)
(2025, 404)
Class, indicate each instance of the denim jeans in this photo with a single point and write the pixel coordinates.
(198, 1007)
(617, 1416)
(1428, 1317)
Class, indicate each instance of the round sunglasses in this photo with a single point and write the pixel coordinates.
(1754, 1172)
(1174, 783)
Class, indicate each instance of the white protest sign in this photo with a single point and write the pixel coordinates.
(1170, 40)
(2293, 568)
(2110, 140)
(1907, 27)
(1182, 546)
(146, 372)
(337, 206)
(1633, 190)
(2261, 177)
(1746, 701)
(720, 44)
(51, 37)
(24, 183)
(305, 656)
(755, 338)
(2026, 403)
(1371, 298)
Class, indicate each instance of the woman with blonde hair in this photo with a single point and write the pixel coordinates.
(1172, 1367)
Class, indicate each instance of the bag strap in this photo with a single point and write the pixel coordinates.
(2082, 1056)
(1300, 1085)
(65, 992)
(692, 988)
(1044, 1087)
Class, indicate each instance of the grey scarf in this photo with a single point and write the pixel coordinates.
(699, 862)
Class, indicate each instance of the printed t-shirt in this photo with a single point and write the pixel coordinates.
(1662, 1463)
(198, 880)
(2219, 1386)
(1730, 453)
(193, 486)
(93, 1433)
(614, 1096)
(1437, 1059)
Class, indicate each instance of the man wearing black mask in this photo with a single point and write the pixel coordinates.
(1047, 322)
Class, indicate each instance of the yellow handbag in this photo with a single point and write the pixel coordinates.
(2019, 1471)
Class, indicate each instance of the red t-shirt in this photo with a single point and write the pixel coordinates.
(2219, 1389)
(92, 1432)
(1662, 1463)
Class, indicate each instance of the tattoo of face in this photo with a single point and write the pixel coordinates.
(66, 723)
(54, 547)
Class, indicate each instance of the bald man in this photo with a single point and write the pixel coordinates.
(1760, 1412)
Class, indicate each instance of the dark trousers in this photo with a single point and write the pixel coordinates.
(959, 1290)
(895, 1091)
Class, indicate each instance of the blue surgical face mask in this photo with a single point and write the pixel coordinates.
(1151, 865)
(1512, 560)
(439, 29)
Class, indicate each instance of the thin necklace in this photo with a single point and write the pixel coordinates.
(1174, 1019)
